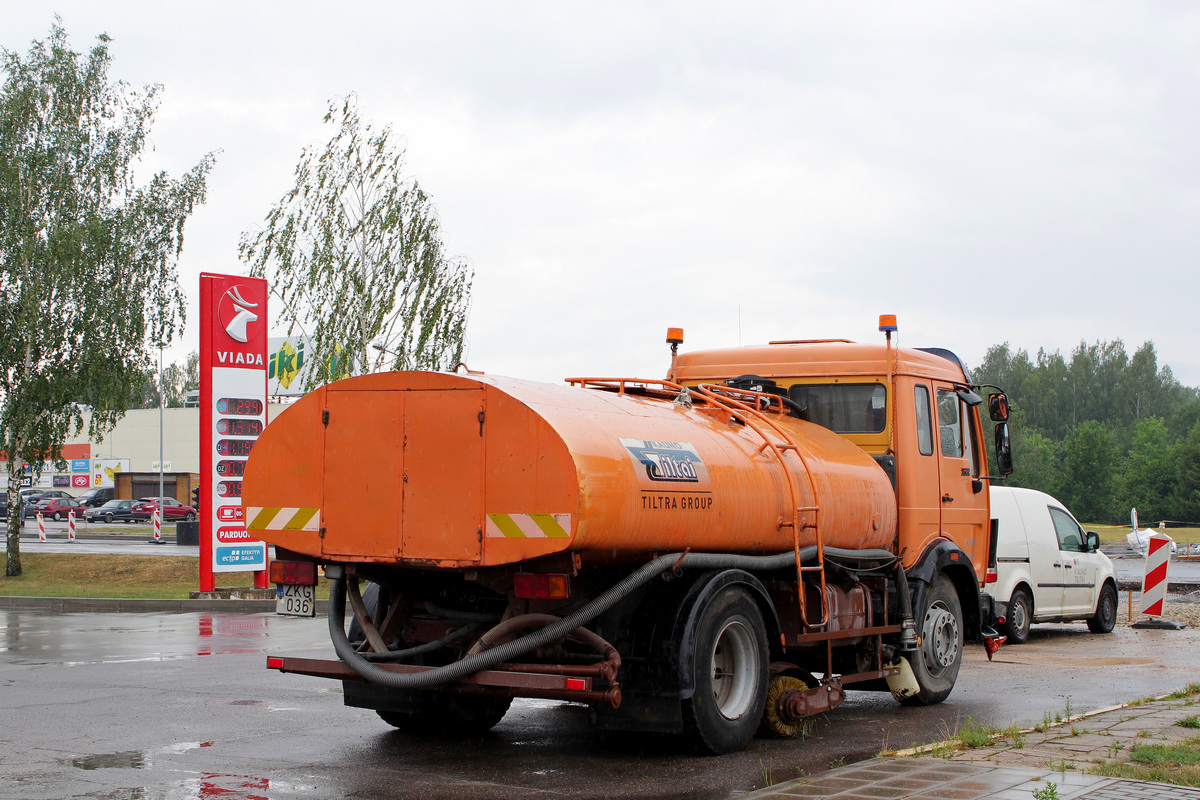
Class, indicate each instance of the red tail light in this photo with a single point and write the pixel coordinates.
(297, 573)
(991, 575)
(541, 586)
(273, 662)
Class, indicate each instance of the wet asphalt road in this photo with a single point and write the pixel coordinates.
(148, 706)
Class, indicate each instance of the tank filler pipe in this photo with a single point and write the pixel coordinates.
(510, 650)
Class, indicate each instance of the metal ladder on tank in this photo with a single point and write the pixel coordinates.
(758, 419)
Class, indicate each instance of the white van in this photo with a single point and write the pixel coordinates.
(1047, 568)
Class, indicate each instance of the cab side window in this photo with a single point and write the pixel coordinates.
(1070, 535)
(924, 421)
(949, 424)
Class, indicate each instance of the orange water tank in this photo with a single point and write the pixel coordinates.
(435, 469)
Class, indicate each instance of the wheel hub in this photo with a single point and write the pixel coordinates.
(940, 637)
(733, 667)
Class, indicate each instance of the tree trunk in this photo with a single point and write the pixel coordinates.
(15, 516)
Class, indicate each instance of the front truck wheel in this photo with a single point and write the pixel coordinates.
(935, 663)
(456, 715)
(729, 673)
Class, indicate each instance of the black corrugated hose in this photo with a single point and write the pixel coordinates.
(510, 650)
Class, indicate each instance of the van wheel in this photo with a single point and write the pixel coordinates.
(935, 665)
(729, 674)
(1106, 611)
(1020, 615)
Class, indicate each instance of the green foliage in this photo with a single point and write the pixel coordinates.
(1102, 431)
(176, 380)
(87, 255)
(354, 251)
(1089, 457)
(1049, 793)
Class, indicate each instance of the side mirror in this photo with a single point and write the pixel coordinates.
(969, 397)
(1004, 461)
(998, 407)
(1093, 541)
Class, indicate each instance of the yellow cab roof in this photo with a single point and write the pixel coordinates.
(814, 359)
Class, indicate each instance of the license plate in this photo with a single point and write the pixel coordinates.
(296, 601)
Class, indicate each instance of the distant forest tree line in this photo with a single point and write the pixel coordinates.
(1102, 431)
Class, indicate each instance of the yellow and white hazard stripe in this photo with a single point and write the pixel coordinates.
(283, 519)
(529, 526)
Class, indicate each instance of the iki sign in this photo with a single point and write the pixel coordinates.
(233, 412)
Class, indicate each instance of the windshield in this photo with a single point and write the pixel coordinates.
(843, 407)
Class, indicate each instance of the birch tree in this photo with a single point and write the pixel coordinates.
(354, 252)
(87, 255)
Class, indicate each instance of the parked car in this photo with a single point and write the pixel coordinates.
(97, 496)
(32, 500)
(172, 509)
(56, 508)
(112, 511)
(1048, 569)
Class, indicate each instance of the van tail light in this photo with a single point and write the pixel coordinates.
(991, 575)
(293, 573)
(541, 586)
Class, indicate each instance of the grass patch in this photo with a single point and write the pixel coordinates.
(972, 735)
(1189, 722)
(1164, 763)
(1191, 690)
(123, 576)
(1116, 533)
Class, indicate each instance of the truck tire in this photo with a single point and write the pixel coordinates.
(1106, 611)
(729, 675)
(452, 715)
(1019, 617)
(935, 664)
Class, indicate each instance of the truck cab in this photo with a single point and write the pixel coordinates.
(913, 410)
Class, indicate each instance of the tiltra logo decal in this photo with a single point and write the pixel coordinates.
(667, 462)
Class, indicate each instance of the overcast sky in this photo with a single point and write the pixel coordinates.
(989, 172)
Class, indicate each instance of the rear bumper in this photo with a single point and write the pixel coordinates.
(547, 681)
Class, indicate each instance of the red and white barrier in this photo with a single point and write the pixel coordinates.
(1154, 585)
(157, 525)
(41, 527)
(71, 526)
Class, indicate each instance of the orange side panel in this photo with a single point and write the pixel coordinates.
(361, 504)
(284, 471)
(443, 477)
(527, 470)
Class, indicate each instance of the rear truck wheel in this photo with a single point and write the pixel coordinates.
(935, 663)
(1020, 616)
(453, 715)
(729, 673)
(1106, 611)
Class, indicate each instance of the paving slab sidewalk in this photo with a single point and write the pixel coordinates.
(1010, 769)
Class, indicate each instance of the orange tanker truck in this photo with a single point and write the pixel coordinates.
(726, 550)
